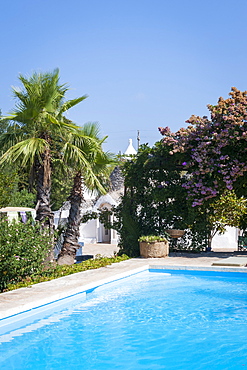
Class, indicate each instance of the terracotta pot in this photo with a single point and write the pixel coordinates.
(175, 233)
(154, 249)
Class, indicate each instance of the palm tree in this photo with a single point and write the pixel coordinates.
(37, 121)
(92, 169)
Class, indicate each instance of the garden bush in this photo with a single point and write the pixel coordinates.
(23, 248)
(154, 201)
(52, 271)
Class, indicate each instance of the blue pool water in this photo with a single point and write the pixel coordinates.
(151, 320)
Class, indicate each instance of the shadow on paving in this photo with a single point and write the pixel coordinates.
(208, 254)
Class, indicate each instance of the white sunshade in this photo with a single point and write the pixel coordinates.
(17, 209)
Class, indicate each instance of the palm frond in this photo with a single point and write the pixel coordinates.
(73, 156)
(10, 138)
(25, 152)
(41, 91)
(92, 181)
(86, 143)
(91, 129)
(10, 117)
(71, 103)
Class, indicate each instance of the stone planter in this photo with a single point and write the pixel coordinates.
(154, 249)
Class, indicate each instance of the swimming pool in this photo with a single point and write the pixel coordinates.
(151, 320)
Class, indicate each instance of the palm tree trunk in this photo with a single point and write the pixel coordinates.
(72, 233)
(44, 214)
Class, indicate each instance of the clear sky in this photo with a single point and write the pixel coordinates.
(142, 63)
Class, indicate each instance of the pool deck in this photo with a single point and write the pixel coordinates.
(24, 299)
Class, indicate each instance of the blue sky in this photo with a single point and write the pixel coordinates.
(142, 63)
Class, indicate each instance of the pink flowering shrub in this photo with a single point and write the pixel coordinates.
(214, 149)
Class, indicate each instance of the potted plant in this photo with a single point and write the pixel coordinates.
(153, 246)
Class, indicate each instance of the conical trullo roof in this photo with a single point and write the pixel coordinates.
(117, 179)
(130, 150)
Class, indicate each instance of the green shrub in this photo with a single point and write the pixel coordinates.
(23, 248)
(154, 200)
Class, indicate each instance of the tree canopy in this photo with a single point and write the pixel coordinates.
(36, 124)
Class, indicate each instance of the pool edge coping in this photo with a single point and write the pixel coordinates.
(8, 313)
(113, 276)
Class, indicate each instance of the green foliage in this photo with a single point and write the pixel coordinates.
(53, 271)
(3, 124)
(155, 200)
(83, 153)
(62, 182)
(90, 215)
(226, 210)
(7, 187)
(152, 238)
(127, 225)
(22, 198)
(154, 185)
(14, 191)
(23, 248)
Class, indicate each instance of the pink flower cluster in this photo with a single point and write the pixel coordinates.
(215, 149)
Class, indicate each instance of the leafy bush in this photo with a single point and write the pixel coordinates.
(23, 248)
(53, 271)
(7, 187)
(22, 198)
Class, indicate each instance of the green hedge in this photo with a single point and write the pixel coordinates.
(54, 271)
(23, 248)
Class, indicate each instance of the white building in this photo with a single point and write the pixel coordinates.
(228, 240)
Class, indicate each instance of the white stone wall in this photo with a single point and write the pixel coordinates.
(88, 232)
(227, 240)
